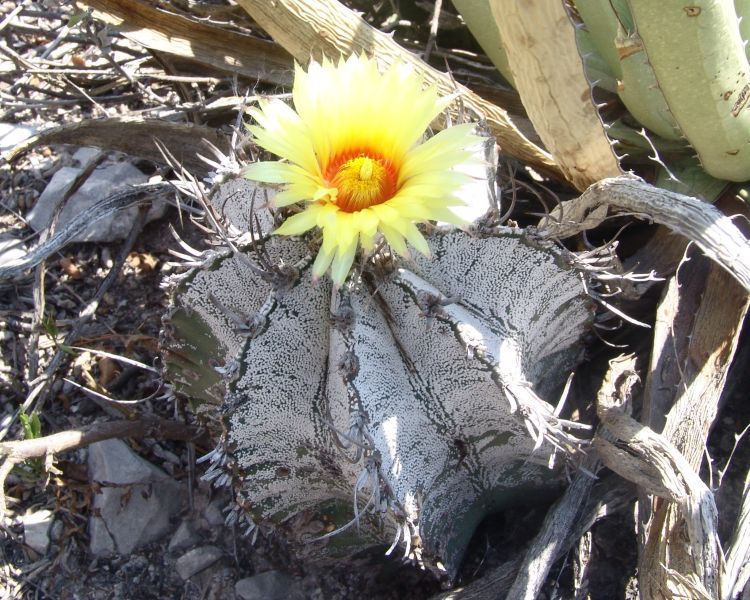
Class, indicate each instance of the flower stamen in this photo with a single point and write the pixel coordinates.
(362, 181)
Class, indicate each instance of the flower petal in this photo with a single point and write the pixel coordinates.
(323, 259)
(343, 262)
(274, 172)
(300, 223)
(445, 150)
(395, 239)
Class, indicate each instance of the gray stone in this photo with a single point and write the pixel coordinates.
(36, 528)
(136, 501)
(12, 248)
(107, 178)
(213, 512)
(196, 560)
(185, 537)
(12, 134)
(271, 585)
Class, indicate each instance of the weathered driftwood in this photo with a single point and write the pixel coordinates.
(12, 453)
(221, 48)
(553, 537)
(135, 196)
(709, 228)
(646, 458)
(316, 28)
(548, 71)
(134, 136)
(696, 334)
(738, 555)
(608, 496)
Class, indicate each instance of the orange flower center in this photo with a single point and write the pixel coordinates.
(362, 181)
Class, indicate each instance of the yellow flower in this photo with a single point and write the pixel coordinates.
(351, 153)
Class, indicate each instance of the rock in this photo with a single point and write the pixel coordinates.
(213, 513)
(12, 134)
(36, 528)
(185, 537)
(107, 178)
(196, 560)
(271, 585)
(137, 508)
(12, 248)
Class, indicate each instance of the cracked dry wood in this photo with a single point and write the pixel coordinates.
(548, 72)
(218, 47)
(644, 457)
(134, 136)
(700, 222)
(312, 28)
(697, 329)
(696, 335)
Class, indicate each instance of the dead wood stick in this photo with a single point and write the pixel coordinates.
(72, 439)
(12, 453)
(218, 47)
(316, 28)
(696, 334)
(134, 136)
(698, 221)
(553, 536)
(608, 496)
(738, 555)
(646, 458)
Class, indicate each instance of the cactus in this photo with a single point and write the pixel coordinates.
(407, 402)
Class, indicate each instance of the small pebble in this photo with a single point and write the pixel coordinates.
(196, 560)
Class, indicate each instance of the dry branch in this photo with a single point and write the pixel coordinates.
(327, 28)
(134, 136)
(698, 221)
(217, 47)
(738, 555)
(644, 457)
(548, 71)
(145, 427)
(696, 334)
(12, 453)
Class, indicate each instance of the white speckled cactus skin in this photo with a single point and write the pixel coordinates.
(417, 387)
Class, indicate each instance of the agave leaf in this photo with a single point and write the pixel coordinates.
(639, 89)
(598, 72)
(743, 16)
(702, 69)
(602, 20)
(478, 18)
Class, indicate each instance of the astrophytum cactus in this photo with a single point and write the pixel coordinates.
(403, 406)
